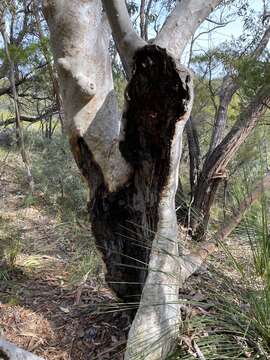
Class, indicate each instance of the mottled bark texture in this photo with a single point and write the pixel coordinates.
(130, 162)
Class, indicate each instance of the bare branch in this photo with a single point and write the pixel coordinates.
(19, 132)
(12, 352)
(147, 13)
(142, 19)
(126, 39)
(27, 77)
(262, 44)
(29, 118)
(182, 23)
(228, 89)
(246, 122)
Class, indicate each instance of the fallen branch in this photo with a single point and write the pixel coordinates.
(9, 351)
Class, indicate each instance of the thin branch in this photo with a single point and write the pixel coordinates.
(19, 132)
(147, 13)
(247, 120)
(194, 153)
(142, 19)
(29, 118)
(182, 23)
(126, 39)
(27, 77)
(228, 89)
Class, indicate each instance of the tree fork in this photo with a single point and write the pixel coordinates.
(125, 221)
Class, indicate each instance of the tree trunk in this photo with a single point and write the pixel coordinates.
(133, 173)
(19, 131)
(215, 166)
(132, 178)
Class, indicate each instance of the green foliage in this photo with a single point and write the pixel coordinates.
(10, 243)
(234, 321)
(55, 174)
(257, 228)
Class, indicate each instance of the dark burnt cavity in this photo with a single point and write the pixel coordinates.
(124, 222)
(3, 355)
(154, 104)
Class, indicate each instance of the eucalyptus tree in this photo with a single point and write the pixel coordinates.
(246, 77)
(12, 80)
(131, 160)
(28, 47)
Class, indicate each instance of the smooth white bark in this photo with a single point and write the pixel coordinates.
(126, 39)
(156, 324)
(182, 23)
(12, 352)
(80, 37)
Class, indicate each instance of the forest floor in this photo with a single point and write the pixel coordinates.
(41, 308)
(44, 307)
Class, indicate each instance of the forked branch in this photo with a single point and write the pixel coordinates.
(126, 39)
(182, 23)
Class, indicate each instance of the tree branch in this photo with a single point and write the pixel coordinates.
(246, 122)
(29, 118)
(228, 89)
(81, 55)
(182, 24)
(126, 39)
(7, 89)
(10, 351)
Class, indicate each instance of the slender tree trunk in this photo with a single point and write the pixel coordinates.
(204, 184)
(19, 131)
(51, 70)
(215, 168)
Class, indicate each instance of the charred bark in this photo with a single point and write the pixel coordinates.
(125, 221)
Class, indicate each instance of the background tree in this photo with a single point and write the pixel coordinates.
(246, 74)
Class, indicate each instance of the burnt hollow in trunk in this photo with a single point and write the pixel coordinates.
(124, 222)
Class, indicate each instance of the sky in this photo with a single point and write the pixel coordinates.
(233, 30)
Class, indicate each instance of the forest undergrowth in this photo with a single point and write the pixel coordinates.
(53, 300)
